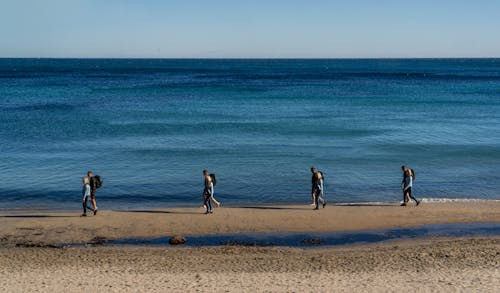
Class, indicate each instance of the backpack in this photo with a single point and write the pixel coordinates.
(412, 174)
(214, 180)
(98, 181)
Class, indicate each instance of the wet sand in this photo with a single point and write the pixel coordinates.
(29, 264)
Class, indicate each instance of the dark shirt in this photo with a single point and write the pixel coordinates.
(92, 183)
(316, 183)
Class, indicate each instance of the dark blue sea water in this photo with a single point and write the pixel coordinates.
(149, 127)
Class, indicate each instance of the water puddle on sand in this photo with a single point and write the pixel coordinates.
(297, 239)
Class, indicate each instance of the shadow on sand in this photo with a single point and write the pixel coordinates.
(308, 207)
(367, 205)
(36, 216)
(158, 212)
(274, 208)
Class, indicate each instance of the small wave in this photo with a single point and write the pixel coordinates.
(444, 200)
(425, 200)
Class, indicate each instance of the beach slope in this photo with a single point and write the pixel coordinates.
(54, 228)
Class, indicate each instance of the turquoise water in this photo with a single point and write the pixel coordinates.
(149, 127)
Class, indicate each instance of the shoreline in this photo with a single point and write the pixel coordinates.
(68, 227)
(77, 208)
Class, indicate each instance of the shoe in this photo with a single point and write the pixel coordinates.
(324, 205)
(418, 202)
(315, 209)
(403, 204)
(219, 204)
(95, 212)
(83, 215)
(211, 211)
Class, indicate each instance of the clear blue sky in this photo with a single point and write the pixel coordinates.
(253, 28)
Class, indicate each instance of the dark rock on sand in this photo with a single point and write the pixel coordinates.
(36, 244)
(177, 240)
(98, 240)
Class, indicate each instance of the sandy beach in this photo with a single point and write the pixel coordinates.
(29, 264)
(53, 228)
(438, 265)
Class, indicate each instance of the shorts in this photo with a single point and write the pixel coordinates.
(92, 194)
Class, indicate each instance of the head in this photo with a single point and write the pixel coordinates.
(314, 170)
(404, 168)
(85, 180)
(205, 173)
(89, 173)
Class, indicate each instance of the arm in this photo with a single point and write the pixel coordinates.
(211, 188)
(409, 182)
(86, 191)
(318, 185)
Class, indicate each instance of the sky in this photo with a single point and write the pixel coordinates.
(249, 29)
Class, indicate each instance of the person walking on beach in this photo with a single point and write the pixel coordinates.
(212, 198)
(313, 180)
(94, 184)
(86, 195)
(208, 192)
(407, 184)
(214, 182)
(317, 188)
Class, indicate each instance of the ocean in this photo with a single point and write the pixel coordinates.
(149, 127)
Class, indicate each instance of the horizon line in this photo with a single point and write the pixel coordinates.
(257, 58)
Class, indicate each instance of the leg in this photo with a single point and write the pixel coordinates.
(412, 197)
(84, 204)
(207, 204)
(217, 204)
(404, 198)
(407, 196)
(316, 200)
(92, 200)
(321, 200)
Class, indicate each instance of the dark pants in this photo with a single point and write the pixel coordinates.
(207, 202)
(318, 198)
(84, 204)
(409, 195)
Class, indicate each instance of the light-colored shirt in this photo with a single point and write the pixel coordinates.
(407, 182)
(86, 190)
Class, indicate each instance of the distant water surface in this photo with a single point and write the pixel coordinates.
(149, 127)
